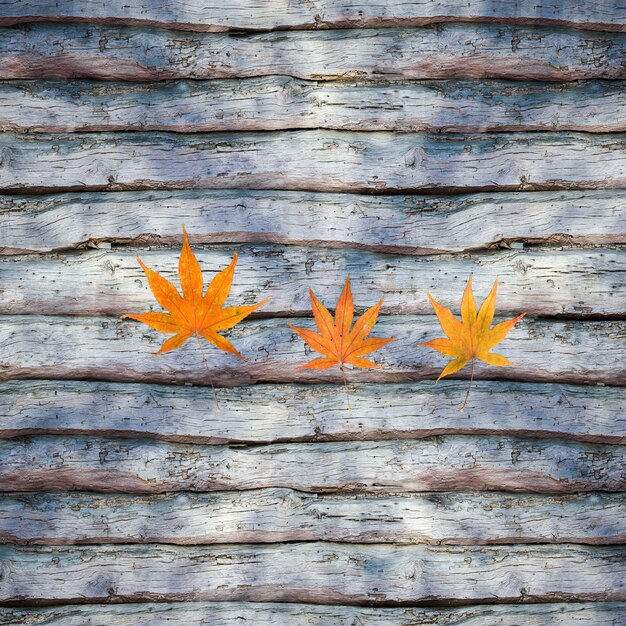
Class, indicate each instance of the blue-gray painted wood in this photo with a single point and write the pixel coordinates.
(285, 515)
(313, 572)
(111, 282)
(300, 14)
(281, 102)
(313, 160)
(285, 614)
(104, 348)
(412, 224)
(446, 463)
(439, 51)
(275, 413)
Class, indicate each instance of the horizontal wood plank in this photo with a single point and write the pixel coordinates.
(328, 573)
(280, 413)
(321, 160)
(57, 347)
(281, 102)
(413, 224)
(572, 282)
(194, 15)
(439, 51)
(269, 614)
(447, 463)
(276, 515)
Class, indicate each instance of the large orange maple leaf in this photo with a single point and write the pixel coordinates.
(339, 341)
(193, 314)
(472, 337)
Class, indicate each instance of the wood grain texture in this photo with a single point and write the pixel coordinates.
(447, 463)
(284, 515)
(412, 224)
(281, 102)
(120, 482)
(572, 282)
(313, 160)
(57, 347)
(245, 15)
(283, 614)
(328, 573)
(438, 51)
(281, 413)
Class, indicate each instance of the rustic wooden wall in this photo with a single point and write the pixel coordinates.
(407, 144)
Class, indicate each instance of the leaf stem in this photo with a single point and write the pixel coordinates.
(208, 370)
(468, 389)
(345, 386)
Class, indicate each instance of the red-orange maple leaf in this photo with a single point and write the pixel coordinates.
(193, 314)
(339, 341)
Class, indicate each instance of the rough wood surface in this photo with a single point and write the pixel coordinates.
(317, 160)
(119, 488)
(572, 282)
(277, 515)
(268, 614)
(285, 14)
(281, 102)
(328, 573)
(438, 51)
(278, 413)
(412, 224)
(57, 347)
(446, 463)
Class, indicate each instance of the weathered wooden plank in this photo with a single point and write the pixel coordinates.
(438, 51)
(277, 413)
(413, 224)
(281, 102)
(315, 160)
(276, 515)
(447, 463)
(313, 572)
(57, 347)
(271, 614)
(572, 282)
(214, 17)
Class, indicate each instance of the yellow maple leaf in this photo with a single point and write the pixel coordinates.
(472, 337)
